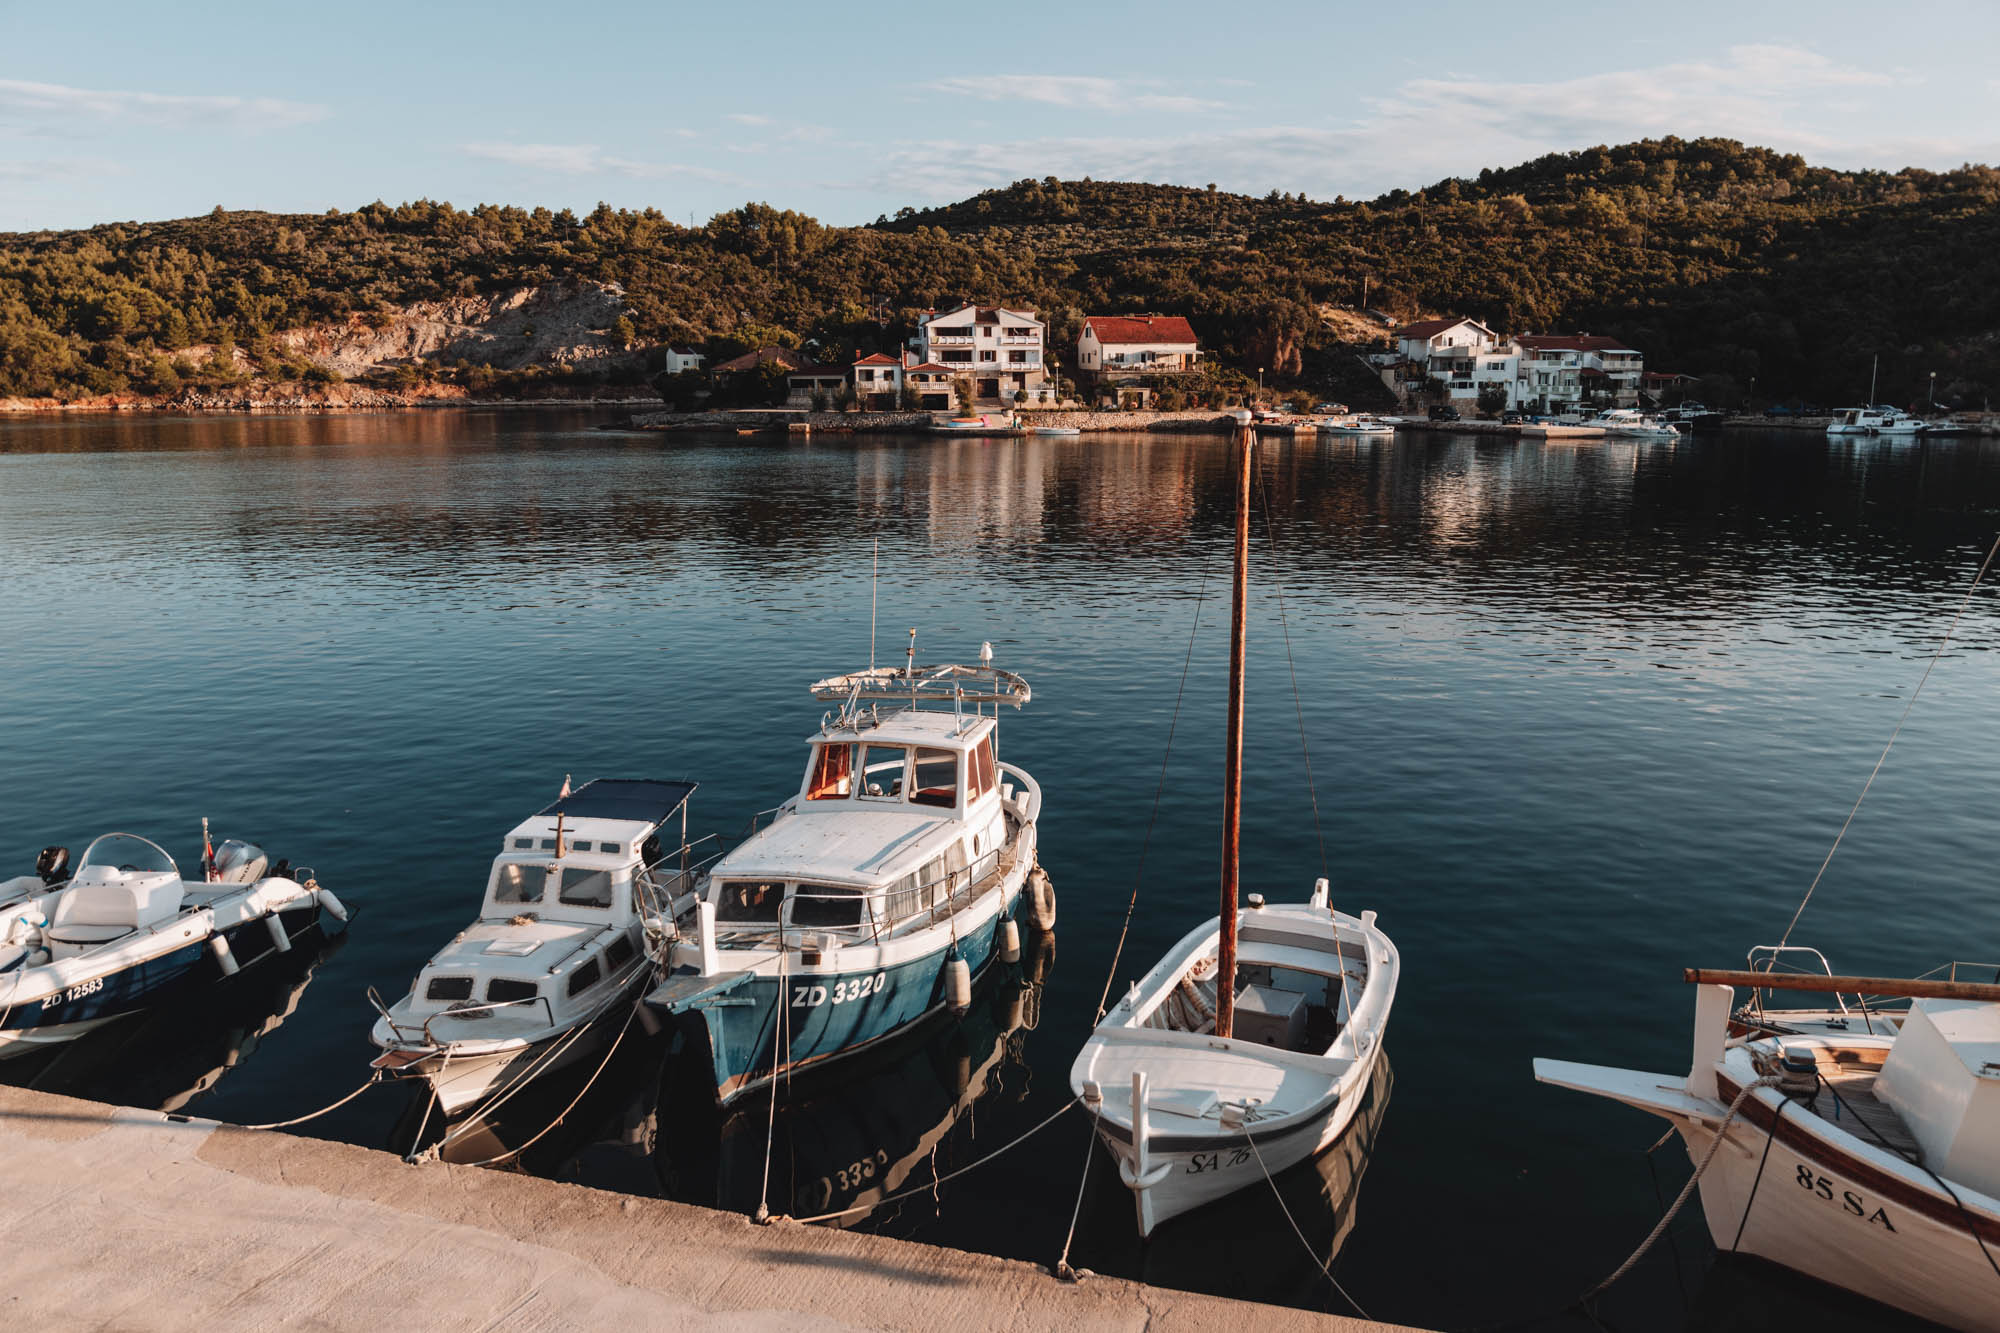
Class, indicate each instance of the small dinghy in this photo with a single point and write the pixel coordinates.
(552, 966)
(880, 889)
(1247, 1049)
(125, 932)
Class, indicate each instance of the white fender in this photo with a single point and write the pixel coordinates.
(958, 984)
(279, 939)
(1010, 940)
(220, 948)
(330, 905)
(1042, 900)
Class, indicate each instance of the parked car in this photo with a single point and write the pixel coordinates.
(1330, 409)
(1512, 419)
(1445, 412)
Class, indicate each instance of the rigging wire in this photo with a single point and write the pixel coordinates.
(564, 1113)
(1325, 1267)
(1943, 643)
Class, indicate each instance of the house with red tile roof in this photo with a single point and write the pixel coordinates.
(1120, 347)
(878, 382)
(1571, 370)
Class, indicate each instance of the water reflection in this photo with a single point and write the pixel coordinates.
(170, 1057)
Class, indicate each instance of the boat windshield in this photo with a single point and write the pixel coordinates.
(127, 851)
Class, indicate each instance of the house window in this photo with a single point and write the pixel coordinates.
(987, 356)
(1017, 358)
(954, 357)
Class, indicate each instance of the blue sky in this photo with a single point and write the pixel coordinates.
(115, 111)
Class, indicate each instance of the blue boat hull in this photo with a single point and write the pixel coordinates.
(753, 1037)
(142, 985)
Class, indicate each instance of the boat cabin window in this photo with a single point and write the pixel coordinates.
(620, 952)
(518, 882)
(585, 888)
(979, 778)
(833, 768)
(524, 844)
(936, 781)
(882, 771)
(584, 977)
(449, 988)
(743, 900)
(826, 906)
(505, 990)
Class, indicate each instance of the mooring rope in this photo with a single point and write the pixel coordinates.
(373, 1080)
(1943, 643)
(1325, 1266)
(564, 1113)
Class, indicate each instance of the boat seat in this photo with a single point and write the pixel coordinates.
(83, 934)
(84, 911)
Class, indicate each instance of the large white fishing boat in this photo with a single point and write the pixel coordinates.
(1249, 1047)
(555, 962)
(125, 931)
(1631, 422)
(1860, 1145)
(877, 891)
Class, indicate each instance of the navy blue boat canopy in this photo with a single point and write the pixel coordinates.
(623, 798)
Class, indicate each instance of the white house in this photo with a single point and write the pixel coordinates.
(1000, 350)
(679, 359)
(1560, 371)
(878, 382)
(1448, 337)
(802, 382)
(932, 383)
(1115, 347)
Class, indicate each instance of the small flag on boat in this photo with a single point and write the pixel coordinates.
(207, 855)
(563, 795)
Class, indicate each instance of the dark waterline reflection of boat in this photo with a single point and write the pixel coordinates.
(844, 1147)
(167, 1058)
(648, 1125)
(1241, 1245)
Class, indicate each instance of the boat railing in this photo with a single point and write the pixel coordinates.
(1963, 971)
(764, 818)
(674, 874)
(475, 1011)
(1772, 958)
(923, 905)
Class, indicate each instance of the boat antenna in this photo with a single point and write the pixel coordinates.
(1232, 778)
(874, 584)
(910, 662)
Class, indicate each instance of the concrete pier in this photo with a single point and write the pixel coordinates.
(129, 1220)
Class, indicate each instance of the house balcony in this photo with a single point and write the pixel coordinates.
(950, 340)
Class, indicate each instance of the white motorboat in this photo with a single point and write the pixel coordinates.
(557, 959)
(1876, 420)
(125, 932)
(1250, 1046)
(1630, 422)
(1356, 424)
(879, 889)
(1860, 1145)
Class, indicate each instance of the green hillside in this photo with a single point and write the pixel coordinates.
(1712, 257)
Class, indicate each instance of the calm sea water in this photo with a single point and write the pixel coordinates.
(1578, 717)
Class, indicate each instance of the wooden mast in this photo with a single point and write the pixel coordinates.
(1232, 773)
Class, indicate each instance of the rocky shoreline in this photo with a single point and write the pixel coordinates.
(854, 423)
(328, 398)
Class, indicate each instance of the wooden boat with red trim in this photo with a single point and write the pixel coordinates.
(1865, 1151)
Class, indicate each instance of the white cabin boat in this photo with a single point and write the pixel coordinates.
(1630, 422)
(125, 932)
(1249, 1047)
(877, 892)
(1359, 423)
(557, 959)
(1876, 420)
(1866, 1149)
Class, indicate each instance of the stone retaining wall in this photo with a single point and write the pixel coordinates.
(906, 422)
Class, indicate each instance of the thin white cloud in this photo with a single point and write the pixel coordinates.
(1442, 126)
(585, 159)
(1075, 91)
(55, 107)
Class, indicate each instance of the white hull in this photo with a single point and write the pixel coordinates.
(1192, 1177)
(1848, 1235)
(25, 1041)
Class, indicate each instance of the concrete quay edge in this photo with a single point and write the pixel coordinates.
(141, 1221)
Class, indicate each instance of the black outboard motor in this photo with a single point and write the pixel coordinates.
(53, 865)
(650, 850)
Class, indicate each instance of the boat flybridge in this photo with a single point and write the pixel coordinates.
(876, 892)
(1873, 1128)
(126, 931)
(1251, 1046)
(554, 963)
